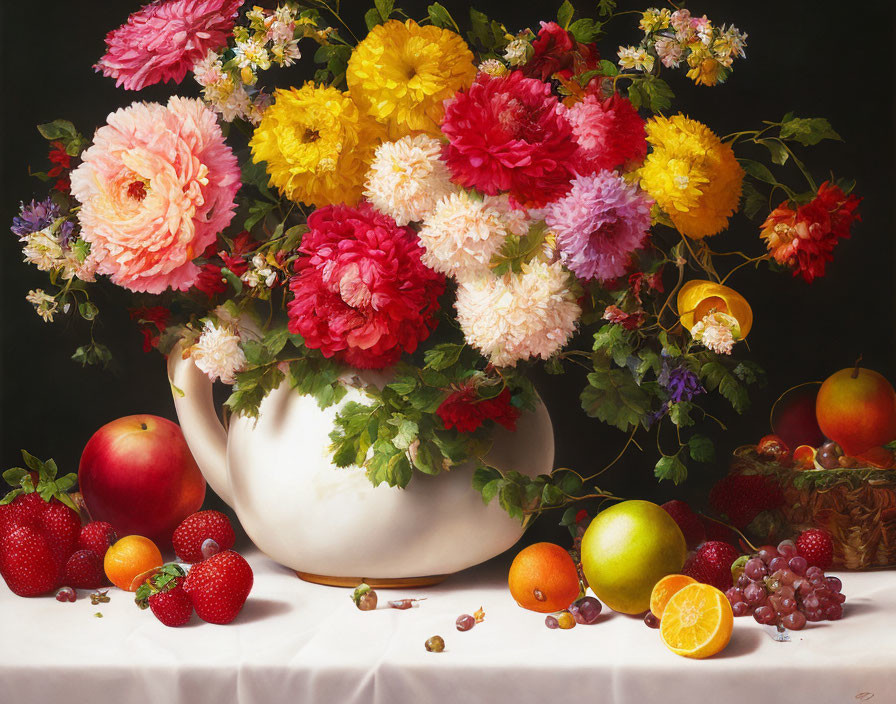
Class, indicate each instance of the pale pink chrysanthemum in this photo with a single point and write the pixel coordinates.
(407, 178)
(599, 224)
(218, 354)
(156, 188)
(162, 40)
(717, 332)
(464, 232)
(518, 316)
(609, 133)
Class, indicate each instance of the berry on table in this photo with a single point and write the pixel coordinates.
(651, 621)
(163, 593)
(27, 564)
(465, 622)
(364, 597)
(97, 536)
(711, 564)
(84, 570)
(219, 586)
(435, 644)
(586, 610)
(201, 535)
(816, 546)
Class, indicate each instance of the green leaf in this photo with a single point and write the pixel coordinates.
(680, 412)
(776, 149)
(487, 36)
(701, 448)
(384, 7)
(758, 171)
(554, 365)
(87, 310)
(15, 475)
(256, 353)
(94, 353)
(608, 68)
(716, 376)
(442, 356)
(613, 397)
(670, 467)
(440, 17)
(670, 347)
(587, 30)
(428, 459)
(515, 251)
(233, 280)
(10, 497)
(33, 463)
(568, 482)
(275, 340)
(258, 210)
(750, 372)
(58, 130)
(754, 201)
(372, 18)
(406, 433)
(403, 385)
(615, 340)
(565, 13)
(651, 92)
(606, 7)
(808, 131)
(483, 475)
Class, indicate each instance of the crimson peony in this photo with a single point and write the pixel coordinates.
(463, 411)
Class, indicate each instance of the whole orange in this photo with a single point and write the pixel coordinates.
(544, 578)
(856, 408)
(129, 557)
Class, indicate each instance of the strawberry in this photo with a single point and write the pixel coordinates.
(84, 570)
(711, 564)
(164, 594)
(689, 522)
(25, 510)
(219, 586)
(817, 547)
(97, 536)
(27, 563)
(61, 527)
(195, 529)
(741, 497)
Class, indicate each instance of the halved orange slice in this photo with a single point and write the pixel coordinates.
(697, 621)
(664, 590)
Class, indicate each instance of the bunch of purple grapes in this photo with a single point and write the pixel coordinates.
(779, 588)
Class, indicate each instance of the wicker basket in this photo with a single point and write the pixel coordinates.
(857, 506)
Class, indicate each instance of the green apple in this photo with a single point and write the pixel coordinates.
(627, 549)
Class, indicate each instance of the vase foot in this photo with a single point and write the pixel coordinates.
(375, 582)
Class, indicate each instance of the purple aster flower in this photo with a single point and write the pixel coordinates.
(34, 217)
(681, 383)
(65, 233)
(599, 223)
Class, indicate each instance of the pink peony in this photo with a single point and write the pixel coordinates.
(599, 224)
(610, 133)
(362, 292)
(156, 188)
(162, 41)
(508, 134)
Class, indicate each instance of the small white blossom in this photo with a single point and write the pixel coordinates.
(44, 304)
(42, 249)
(717, 332)
(517, 52)
(218, 353)
(635, 58)
(259, 273)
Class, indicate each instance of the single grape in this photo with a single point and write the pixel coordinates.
(785, 592)
(834, 612)
(209, 547)
(767, 553)
(788, 606)
(465, 622)
(779, 563)
(742, 581)
(436, 644)
(741, 608)
(551, 621)
(795, 621)
(813, 616)
(788, 577)
(565, 620)
(811, 602)
(765, 615)
(805, 588)
(775, 602)
(652, 621)
(814, 571)
(787, 548)
(834, 584)
(839, 597)
(754, 594)
(798, 564)
(734, 595)
(585, 610)
(755, 569)
(818, 581)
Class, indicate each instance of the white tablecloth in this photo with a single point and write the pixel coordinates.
(298, 642)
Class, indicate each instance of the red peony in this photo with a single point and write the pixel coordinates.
(742, 497)
(557, 51)
(362, 292)
(804, 239)
(464, 411)
(609, 133)
(236, 259)
(210, 280)
(508, 134)
(152, 323)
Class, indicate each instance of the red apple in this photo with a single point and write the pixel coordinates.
(137, 473)
(793, 417)
(856, 408)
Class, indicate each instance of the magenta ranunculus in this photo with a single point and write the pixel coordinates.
(509, 134)
(162, 41)
(362, 292)
(599, 224)
(156, 188)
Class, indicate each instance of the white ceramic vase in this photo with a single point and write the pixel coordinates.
(330, 524)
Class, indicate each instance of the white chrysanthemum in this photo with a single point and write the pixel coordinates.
(218, 353)
(43, 250)
(464, 232)
(518, 51)
(44, 304)
(74, 267)
(407, 178)
(717, 332)
(518, 316)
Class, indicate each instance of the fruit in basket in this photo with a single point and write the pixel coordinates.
(773, 448)
(219, 586)
(129, 558)
(544, 578)
(817, 547)
(711, 564)
(697, 622)
(804, 457)
(137, 473)
(627, 549)
(793, 416)
(689, 522)
(828, 455)
(856, 408)
(742, 497)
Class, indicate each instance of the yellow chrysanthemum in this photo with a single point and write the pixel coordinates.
(402, 72)
(691, 175)
(317, 145)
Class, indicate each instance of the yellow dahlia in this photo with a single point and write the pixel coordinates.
(317, 145)
(402, 72)
(691, 175)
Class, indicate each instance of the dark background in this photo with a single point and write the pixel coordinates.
(817, 59)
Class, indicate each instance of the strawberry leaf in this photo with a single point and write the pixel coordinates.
(14, 476)
(10, 497)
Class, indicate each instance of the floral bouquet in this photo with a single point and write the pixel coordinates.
(446, 199)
